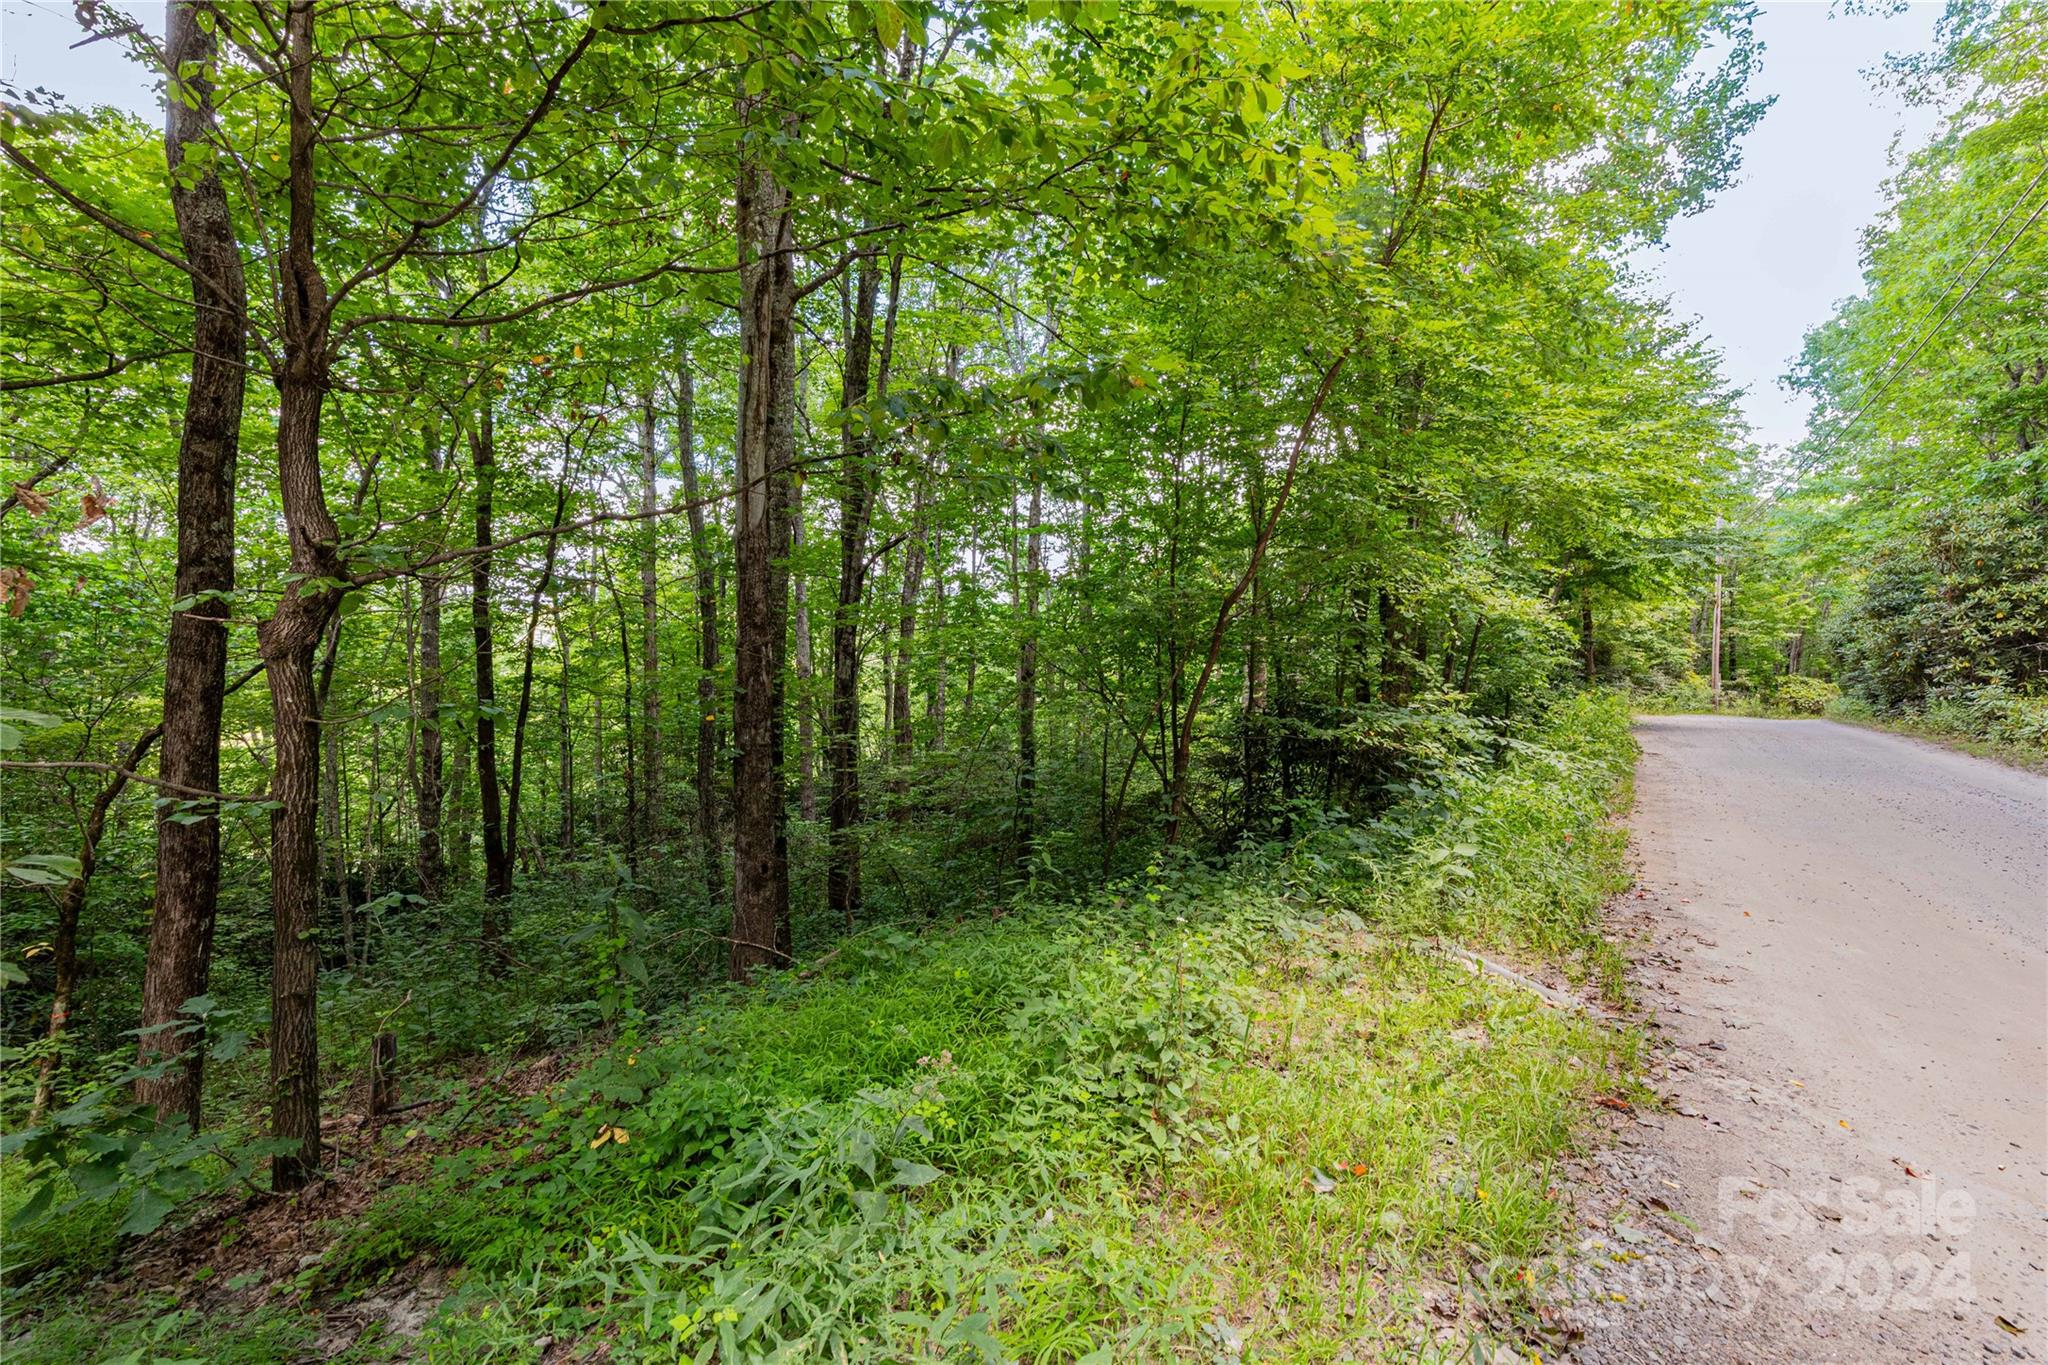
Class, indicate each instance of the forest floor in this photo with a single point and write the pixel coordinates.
(1843, 961)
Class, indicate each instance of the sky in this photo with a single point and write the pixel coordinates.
(1777, 250)
(1768, 260)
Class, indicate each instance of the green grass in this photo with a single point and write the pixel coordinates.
(2006, 727)
(1953, 729)
(1210, 1108)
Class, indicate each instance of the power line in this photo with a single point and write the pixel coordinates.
(1989, 266)
(1931, 332)
(1987, 240)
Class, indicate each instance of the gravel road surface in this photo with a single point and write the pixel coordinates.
(1843, 948)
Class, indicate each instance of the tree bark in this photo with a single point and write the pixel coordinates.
(287, 642)
(1586, 654)
(906, 631)
(1256, 740)
(195, 658)
(767, 437)
(566, 740)
(540, 591)
(650, 632)
(428, 799)
(333, 841)
(497, 857)
(935, 707)
(856, 506)
(632, 823)
(701, 556)
(1027, 671)
(800, 607)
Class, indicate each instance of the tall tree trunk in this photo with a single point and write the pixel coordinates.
(1394, 671)
(888, 651)
(1256, 742)
(767, 438)
(497, 857)
(597, 732)
(632, 823)
(70, 905)
(935, 708)
(701, 558)
(195, 657)
(566, 740)
(334, 840)
(906, 631)
(1471, 655)
(650, 632)
(800, 606)
(1586, 653)
(856, 505)
(540, 591)
(287, 642)
(1027, 672)
(432, 777)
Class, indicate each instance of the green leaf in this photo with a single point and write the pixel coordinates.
(32, 1212)
(146, 1214)
(888, 23)
(44, 869)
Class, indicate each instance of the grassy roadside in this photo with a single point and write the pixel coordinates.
(1211, 1114)
(2028, 757)
(1951, 728)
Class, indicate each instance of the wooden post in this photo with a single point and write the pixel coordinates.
(383, 1073)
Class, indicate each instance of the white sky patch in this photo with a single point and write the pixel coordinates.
(1779, 249)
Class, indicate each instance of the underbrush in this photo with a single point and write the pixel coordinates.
(1202, 1107)
(1988, 720)
(1991, 722)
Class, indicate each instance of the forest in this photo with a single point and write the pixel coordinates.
(737, 681)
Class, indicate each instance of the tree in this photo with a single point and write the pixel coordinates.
(195, 656)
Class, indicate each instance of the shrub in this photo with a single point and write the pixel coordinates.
(1805, 696)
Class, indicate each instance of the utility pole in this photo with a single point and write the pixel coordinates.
(1714, 668)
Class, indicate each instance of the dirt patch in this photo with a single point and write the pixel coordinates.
(240, 1252)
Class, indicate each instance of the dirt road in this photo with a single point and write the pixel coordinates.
(1844, 947)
